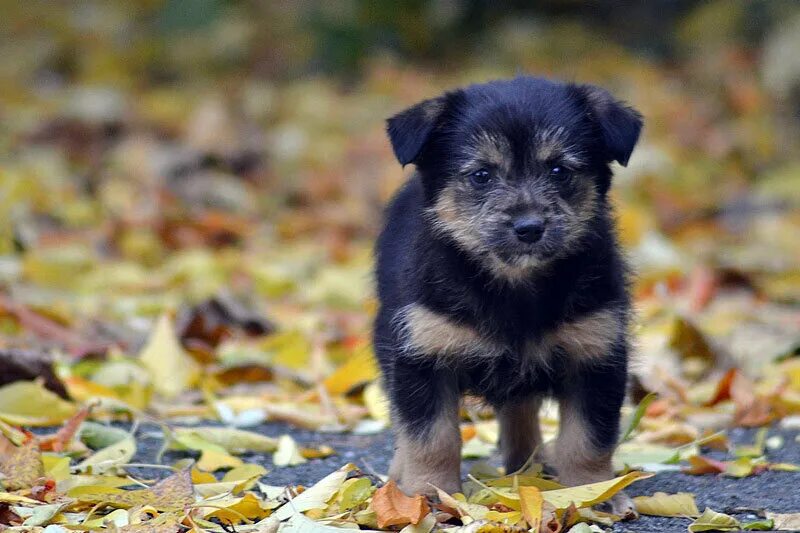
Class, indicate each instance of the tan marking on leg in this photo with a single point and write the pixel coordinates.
(432, 459)
(429, 333)
(574, 455)
(520, 435)
(589, 337)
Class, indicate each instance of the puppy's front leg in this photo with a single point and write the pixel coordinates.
(590, 414)
(425, 405)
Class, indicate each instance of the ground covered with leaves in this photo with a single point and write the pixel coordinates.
(185, 287)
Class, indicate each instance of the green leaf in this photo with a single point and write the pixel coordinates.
(759, 525)
(637, 415)
(711, 520)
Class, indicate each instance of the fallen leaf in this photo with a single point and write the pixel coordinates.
(713, 521)
(20, 466)
(288, 453)
(59, 440)
(785, 521)
(637, 415)
(317, 496)
(393, 508)
(662, 504)
(593, 493)
(110, 458)
(759, 525)
(171, 368)
(29, 403)
(235, 441)
(170, 494)
(531, 502)
(358, 369)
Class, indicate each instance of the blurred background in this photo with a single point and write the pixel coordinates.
(224, 164)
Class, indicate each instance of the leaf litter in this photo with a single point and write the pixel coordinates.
(164, 286)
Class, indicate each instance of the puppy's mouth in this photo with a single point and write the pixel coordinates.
(525, 255)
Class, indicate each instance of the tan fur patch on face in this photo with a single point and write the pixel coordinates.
(573, 453)
(488, 149)
(551, 144)
(428, 333)
(434, 460)
(520, 434)
(449, 218)
(587, 339)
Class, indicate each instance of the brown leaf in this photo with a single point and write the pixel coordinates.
(170, 494)
(59, 440)
(21, 466)
(699, 465)
(393, 508)
(723, 391)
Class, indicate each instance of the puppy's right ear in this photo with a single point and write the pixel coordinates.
(409, 130)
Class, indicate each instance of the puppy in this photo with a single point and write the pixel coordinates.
(499, 275)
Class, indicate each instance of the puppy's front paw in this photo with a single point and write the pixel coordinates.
(428, 487)
(621, 505)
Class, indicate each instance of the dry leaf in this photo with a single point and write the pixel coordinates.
(393, 508)
(531, 502)
(20, 466)
(785, 521)
(662, 504)
(171, 368)
(713, 521)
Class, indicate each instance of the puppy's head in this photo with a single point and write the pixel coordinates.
(516, 171)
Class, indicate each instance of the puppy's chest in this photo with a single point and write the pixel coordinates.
(521, 336)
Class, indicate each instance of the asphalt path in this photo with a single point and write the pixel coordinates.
(742, 497)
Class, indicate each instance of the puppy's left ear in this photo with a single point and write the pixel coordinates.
(409, 130)
(619, 123)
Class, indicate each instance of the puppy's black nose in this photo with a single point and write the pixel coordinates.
(529, 229)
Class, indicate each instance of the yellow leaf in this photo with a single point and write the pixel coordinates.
(56, 467)
(212, 456)
(248, 506)
(591, 494)
(171, 368)
(245, 472)
(109, 459)
(714, 521)
(662, 504)
(531, 502)
(354, 492)
(233, 440)
(288, 453)
(28, 403)
(316, 497)
(358, 369)
(393, 508)
(376, 402)
(7, 497)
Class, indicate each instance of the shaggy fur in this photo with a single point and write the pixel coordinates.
(499, 274)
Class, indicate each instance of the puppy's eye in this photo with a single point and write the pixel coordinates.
(559, 172)
(480, 178)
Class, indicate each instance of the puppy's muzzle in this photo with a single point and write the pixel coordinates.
(530, 228)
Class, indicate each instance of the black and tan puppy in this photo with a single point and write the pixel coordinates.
(499, 274)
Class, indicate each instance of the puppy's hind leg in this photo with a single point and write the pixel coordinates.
(425, 405)
(520, 435)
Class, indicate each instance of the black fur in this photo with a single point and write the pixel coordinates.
(418, 264)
